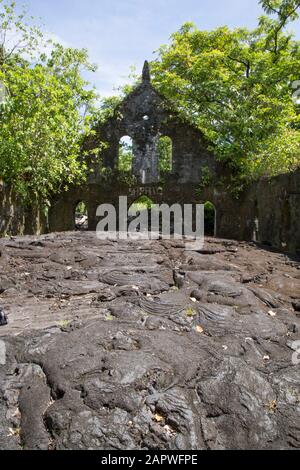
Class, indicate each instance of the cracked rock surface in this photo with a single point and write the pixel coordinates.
(143, 345)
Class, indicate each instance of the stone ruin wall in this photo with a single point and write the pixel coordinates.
(17, 219)
(277, 206)
(272, 204)
(12, 214)
(267, 212)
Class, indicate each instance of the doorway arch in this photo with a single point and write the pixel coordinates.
(210, 219)
(140, 208)
(81, 216)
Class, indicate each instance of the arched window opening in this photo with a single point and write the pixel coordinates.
(209, 219)
(125, 159)
(165, 155)
(81, 216)
(140, 209)
(143, 203)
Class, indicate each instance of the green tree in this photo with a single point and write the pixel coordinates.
(236, 86)
(18, 35)
(125, 156)
(285, 10)
(48, 113)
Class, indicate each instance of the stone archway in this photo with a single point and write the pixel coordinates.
(210, 219)
(81, 216)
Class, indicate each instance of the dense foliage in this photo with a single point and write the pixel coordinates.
(237, 87)
(164, 149)
(45, 116)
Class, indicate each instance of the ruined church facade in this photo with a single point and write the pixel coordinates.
(145, 116)
(268, 211)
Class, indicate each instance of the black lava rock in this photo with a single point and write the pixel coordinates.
(296, 305)
(3, 318)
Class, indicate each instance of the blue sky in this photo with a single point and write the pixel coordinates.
(122, 33)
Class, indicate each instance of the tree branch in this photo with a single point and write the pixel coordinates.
(243, 62)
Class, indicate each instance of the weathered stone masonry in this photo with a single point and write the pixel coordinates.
(269, 211)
